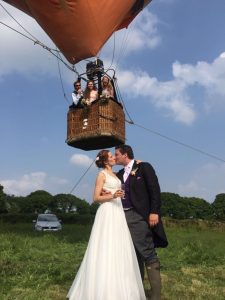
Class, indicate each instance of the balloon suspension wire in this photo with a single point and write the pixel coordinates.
(124, 46)
(61, 81)
(82, 176)
(18, 23)
(120, 98)
(113, 54)
(36, 41)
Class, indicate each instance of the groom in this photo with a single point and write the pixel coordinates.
(141, 205)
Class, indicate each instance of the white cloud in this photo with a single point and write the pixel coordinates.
(58, 181)
(25, 185)
(170, 96)
(141, 33)
(208, 76)
(32, 182)
(205, 74)
(173, 96)
(144, 32)
(206, 182)
(81, 160)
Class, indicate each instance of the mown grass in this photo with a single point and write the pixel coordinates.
(193, 266)
(42, 266)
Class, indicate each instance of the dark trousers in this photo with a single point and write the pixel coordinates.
(142, 237)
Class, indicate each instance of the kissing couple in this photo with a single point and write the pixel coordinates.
(125, 233)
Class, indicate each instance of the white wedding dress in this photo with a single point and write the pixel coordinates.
(109, 270)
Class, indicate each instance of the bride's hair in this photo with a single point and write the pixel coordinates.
(102, 158)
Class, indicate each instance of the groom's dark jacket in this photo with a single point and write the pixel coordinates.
(145, 197)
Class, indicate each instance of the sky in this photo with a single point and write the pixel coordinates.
(170, 66)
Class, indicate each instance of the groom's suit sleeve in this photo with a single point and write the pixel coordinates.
(153, 188)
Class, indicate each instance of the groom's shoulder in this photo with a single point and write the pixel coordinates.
(120, 171)
(145, 165)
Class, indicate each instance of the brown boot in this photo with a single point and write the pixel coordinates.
(153, 271)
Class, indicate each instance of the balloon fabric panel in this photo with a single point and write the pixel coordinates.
(80, 28)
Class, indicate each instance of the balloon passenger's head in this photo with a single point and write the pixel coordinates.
(106, 84)
(91, 85)
(77, 85)
(105, 80)
(104, 158)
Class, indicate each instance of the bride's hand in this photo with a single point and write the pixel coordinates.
(118, 193)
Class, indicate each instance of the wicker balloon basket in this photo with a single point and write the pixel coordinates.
(101, 125)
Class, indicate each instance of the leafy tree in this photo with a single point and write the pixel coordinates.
(36, 202)
(172, 205)
(197, 208)
(94, 207)
(66, 203)
(3, 201)
(218, 207)
(17, 204)
(63, 203)
(1, 191)
(179, 207)
(83, 208)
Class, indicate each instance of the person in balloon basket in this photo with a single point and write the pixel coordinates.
(90, 94)
(77, 95)
(109, 270)
(107, 89)
(141, 205)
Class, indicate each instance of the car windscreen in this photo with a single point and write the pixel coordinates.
(47, 218)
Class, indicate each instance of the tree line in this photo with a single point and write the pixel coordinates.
(173, 205)
(41, 201)
(177, 207)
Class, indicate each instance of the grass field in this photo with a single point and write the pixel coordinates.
(42, 266)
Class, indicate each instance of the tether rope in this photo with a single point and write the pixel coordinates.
(79, 180)
(178, 142)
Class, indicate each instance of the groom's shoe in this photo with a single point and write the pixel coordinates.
(153, 271)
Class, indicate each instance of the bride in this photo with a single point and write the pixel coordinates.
(109, 270)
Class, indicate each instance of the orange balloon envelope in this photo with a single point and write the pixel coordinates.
(80, 28)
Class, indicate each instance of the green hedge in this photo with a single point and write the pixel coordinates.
(76, 219)
(65, 218)
(17, 218)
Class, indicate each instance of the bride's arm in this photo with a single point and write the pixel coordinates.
(98, 196)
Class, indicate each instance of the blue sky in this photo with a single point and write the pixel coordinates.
(171, 75)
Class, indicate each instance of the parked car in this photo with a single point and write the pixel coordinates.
(47, 222)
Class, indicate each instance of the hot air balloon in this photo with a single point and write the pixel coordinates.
(80, 28)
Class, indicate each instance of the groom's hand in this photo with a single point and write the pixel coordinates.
(104, 192)
(153, 219)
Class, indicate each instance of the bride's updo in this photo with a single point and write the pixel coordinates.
(102, 158)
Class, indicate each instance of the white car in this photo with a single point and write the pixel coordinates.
(47, 222)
